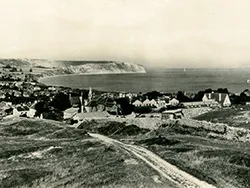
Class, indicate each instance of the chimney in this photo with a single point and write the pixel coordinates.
(70, 98)
(219, 97)
(81, 104)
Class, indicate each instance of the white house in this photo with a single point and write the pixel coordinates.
(161, 103)
(31, 113)
(146, 103)
(222, 98)
(153, 103)
(172, 114)
(137, 103)
(174, 102)
(24, 110)
(70, 112)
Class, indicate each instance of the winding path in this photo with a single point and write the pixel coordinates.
(168, 171)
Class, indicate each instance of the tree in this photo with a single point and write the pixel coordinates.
(222, 90)
(182, 97)
(143, 109)
(153, 95)
(198, 96)
(40, 107)
(61, 102)
(126, 107)
(31, 70)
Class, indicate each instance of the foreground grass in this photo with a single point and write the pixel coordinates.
(219, 162)
(222, 163)
(48, 154)
(235, 116)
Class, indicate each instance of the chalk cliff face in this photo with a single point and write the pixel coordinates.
(77, 67)
(98, 68)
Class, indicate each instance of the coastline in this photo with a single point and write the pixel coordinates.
(88, 74)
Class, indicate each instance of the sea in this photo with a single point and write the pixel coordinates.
(163, 80)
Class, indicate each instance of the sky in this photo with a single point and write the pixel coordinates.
(165, 33)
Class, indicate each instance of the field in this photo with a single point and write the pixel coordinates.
(41, 153)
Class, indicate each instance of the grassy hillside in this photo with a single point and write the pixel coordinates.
(41, 153)
(238, 116)
(48, 154)
(219, 162)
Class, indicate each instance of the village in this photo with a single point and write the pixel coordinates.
(21, 95)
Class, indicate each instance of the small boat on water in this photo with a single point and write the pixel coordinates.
(248, 81)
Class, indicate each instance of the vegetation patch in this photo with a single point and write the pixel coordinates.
(112, 128)
(26, 127)
(159, 141)
(17, 178)
(178, 128)
(68, 133)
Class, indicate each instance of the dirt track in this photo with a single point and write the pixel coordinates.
(168, 171)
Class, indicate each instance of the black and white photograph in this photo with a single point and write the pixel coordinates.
(124, 94)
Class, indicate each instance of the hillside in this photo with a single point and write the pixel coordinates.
(45, 153)
(75, 67)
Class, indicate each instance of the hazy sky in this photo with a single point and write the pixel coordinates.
(173, 33)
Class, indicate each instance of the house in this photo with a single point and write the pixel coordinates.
(146, 103)
(153, 103)
(222, 98)
(174, 102)
(37, 88)
(161, 103)
(90, 106)
(199, 104)
(24, 111)
(17, 93)
(70, 112)
(247, 92)
(112, 108)
(2, 96)
(137, 103)
(122, 95)
(150, 103)
(5, 108)
(31, 113)
(172, 114)
(75, 101)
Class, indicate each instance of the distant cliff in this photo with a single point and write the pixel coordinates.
(76, 67)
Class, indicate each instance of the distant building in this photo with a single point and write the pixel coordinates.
(150, 103)
(174, 102)
(172, 114)
(70, 112)
(211, 103)
(161, 103)
(222, 98)
(75, 101)
(24, 111)
(137, 103)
